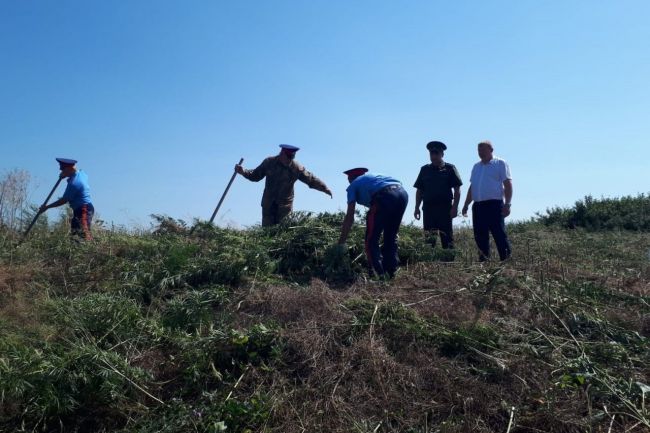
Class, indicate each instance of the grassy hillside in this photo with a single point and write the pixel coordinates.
(273, 330)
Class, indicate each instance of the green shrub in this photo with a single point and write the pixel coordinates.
(624, 213)
(462, 340)
(44, 384)
(398, 325)
(101, 318)
(192, 309)
(210, 413)
(165, 225)
(179, 264)
(338, 267)
(299, 244)
(412, 246)
(206, 358)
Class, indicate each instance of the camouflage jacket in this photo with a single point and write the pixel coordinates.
(280, 179)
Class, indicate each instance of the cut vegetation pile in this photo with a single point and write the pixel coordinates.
(276, 330)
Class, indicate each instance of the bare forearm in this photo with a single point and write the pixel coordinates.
(418, 198)
(507, 191)
(57, 203)
(345, 228)
(456, 198)
(468, 198)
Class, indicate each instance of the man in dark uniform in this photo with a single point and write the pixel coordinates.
(386, 199)
(77, 194)
(435, 184)
(281, 172)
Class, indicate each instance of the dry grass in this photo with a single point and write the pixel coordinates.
(333, 382)
(18, 296)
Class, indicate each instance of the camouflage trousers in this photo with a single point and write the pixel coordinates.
(272, 214)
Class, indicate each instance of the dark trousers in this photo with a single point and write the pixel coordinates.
(82, 219)
(385, 216)
(437, 219)
(272, 214)
(487, 218)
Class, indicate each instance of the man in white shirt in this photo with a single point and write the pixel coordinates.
(491, 191)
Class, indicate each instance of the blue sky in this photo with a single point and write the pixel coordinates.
(159, 99)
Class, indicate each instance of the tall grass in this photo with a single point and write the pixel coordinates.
(277, 329)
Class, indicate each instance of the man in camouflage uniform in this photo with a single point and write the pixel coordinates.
(281, 172)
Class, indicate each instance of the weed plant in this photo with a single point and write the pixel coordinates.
(280, 330)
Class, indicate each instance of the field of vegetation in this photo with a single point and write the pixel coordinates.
(276, 330)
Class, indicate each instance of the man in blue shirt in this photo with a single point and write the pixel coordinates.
(387, 201)
(77, 194)
(491, 192)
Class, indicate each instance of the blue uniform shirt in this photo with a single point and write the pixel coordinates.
(77, 193)
(364, 187)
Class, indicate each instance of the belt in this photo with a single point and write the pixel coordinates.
(82, 205)
(493, 200)
(386, 189)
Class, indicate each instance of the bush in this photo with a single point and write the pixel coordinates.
(193, 309)
(207, 358)
(100, 318)
(625, 213)
(211, 413)
(299, 244)
(44, 384)
(338, 265)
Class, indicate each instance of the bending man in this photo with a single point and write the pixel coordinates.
(77, 194)
(387, 201)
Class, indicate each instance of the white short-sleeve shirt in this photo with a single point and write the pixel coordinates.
(487, 179)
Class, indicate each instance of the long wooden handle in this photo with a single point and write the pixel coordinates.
(214, 214)
(29, 228)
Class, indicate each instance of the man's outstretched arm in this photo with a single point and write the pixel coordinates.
(312, 181)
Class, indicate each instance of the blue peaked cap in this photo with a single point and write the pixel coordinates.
(66, 161)
(289, 147)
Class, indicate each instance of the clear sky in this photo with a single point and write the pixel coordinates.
(158, 99)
